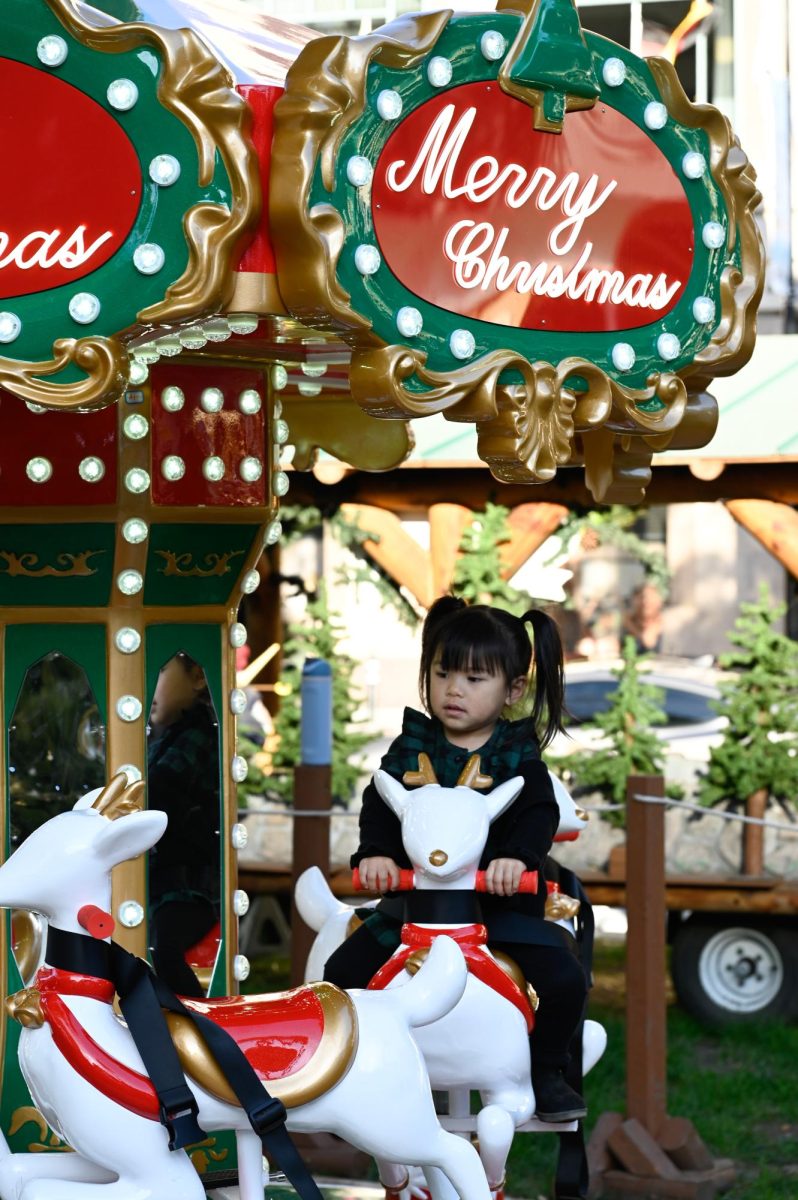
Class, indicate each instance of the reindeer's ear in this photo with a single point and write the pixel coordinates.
(87, 801)
(129, 836)
(503, 796)
(391, 791)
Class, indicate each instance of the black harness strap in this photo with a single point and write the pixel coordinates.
(142, 998)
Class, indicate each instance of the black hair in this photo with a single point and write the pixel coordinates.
(188, 663)
(481, 638)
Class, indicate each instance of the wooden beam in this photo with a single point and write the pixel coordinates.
(530, 525)
(396, 551)
(413, 490)
(774, 525)
(447, 523)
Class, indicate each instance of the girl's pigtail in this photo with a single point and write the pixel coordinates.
(549, 677)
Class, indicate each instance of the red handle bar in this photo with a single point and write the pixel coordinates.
(407, 881)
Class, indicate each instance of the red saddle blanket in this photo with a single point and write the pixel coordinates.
(279, 1033)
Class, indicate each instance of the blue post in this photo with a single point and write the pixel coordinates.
(316, 720)
(312, 796)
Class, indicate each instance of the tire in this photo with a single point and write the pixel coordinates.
(733, 971)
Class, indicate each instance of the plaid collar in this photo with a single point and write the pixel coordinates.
(510, 744)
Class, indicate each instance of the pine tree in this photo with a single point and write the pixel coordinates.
(318, 636)
(628, 745)
(478, 571)
(760, 744)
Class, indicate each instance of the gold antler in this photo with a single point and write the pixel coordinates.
(470, 775)
(120, 798)
(424, 774)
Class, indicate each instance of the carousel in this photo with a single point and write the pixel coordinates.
(223, 236)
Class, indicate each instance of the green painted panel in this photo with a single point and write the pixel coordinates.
(195, 564)
(56, 565)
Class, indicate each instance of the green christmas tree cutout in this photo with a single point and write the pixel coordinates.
(760, 744)
(549, 65)
(630, 747)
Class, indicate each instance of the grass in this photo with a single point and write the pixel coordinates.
(738, 1085)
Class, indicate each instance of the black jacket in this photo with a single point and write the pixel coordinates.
(524, 831)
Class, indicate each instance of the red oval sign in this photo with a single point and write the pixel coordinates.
(72, 182)
(477, 212)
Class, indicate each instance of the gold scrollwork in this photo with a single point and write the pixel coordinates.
(69, 565)
(183, 565)
(732, 343)
(104, 361)
(203, 1154)
(28, 1114)
(325, 93)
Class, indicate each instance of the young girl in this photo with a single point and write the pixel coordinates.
(475, 661)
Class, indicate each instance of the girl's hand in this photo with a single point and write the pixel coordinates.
(379, 874)
(503, 876)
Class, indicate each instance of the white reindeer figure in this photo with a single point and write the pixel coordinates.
(372, 1090)
(482, 1043)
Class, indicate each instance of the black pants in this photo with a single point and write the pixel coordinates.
(554, 972)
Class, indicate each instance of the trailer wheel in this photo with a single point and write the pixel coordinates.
(744, 971)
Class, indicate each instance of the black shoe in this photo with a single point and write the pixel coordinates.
(556, 1100)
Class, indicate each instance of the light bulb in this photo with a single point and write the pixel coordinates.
(122, 94)
(164, 170)
(84, 307)
(135, 531)
(91, 469)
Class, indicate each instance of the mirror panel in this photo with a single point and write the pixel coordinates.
(56, 753)
(185, 865)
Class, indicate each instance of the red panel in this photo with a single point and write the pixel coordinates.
(64, 439)
(195, 435)
(497, 199)
(259, 256)
(87, 182)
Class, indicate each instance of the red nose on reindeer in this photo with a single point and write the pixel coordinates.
(95, 921)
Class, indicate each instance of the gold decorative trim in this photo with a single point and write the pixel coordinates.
(27, 1113)
(26, 564)
(330, 1062)
(216, 564)
(28, 940)
(104, 361)
(255, 292)
(26, 1007)
(741, 290)
(560, 907)
(511, 969)
(325, 92)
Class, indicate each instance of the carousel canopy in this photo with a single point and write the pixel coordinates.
(256, 48)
